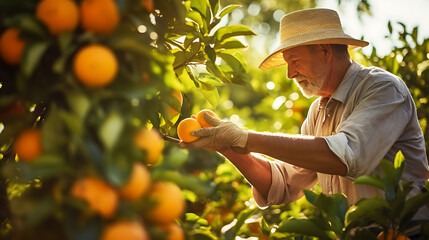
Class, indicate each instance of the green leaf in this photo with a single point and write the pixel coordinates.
(110, 130)
(307, 227)
(210, 93)
(53, 131)
(211, 80)
(266, 229)
(44, 167)
(78, 102)
(227, 10)
(399, 159)
(29, 24)
(310, 196)
(370, 208)
(341, 206)
(200, 6)
(32, 55)
(231, 31)
(234, 59)
(215, 70)
(369, 180)
(230, 43)
(389, 26)
(184, 181)
(412, 205)
(196, 17)
(183, 75)
(241, 218)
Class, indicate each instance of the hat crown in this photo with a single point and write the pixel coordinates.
(309, 21)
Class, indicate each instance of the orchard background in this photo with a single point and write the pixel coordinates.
(87, 86)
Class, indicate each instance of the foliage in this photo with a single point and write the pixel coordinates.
(335, 219)
(171, 46)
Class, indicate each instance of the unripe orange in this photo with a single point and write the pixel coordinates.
(202, 120)
(185, 127)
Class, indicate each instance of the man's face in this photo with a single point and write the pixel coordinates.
(307, 67)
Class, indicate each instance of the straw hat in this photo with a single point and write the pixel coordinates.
(306, 27)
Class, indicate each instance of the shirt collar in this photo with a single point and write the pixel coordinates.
(342, 92)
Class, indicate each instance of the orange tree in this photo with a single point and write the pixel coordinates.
(96, 81)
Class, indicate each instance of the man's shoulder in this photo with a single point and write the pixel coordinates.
(375, 76)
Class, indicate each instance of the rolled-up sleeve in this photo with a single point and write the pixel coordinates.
(376, 121)
(287, 182)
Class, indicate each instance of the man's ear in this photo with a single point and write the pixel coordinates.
(326, 50)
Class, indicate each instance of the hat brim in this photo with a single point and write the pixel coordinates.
(275, 59)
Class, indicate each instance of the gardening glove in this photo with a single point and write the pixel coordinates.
(223, 134)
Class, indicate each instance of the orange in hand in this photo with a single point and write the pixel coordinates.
(185, 127)
(202, 120)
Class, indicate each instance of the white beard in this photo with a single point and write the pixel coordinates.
(310, 87)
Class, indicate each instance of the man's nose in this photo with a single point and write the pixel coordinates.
(291, 72)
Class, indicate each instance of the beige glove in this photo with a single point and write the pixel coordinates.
(223, 134)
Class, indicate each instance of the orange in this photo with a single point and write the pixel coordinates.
(11, 46)
(28, 145)
(138, 184)
(179, 97)
(169, 203)
(100, 196)
(152, 143)
(185, 127)
(148, 5)
(95, 66)
(129, 230)
(381, 236)
(58, 15)
(202, 120)
(99, 16)
(174, 231)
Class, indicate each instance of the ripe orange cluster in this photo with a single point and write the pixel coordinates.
(187, 125)
(102, 198)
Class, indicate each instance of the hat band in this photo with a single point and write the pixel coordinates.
(317, 35)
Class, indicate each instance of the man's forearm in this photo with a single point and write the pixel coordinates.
(302, 151)
(256, 170)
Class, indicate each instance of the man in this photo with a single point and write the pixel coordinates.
(362, 116)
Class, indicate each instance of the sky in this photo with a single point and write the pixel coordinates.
(374, 28)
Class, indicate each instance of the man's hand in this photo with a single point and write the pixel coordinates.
(223, 134)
